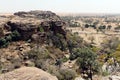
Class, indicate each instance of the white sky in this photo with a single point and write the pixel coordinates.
(79, 6)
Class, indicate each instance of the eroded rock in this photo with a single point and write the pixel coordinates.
(27, 73)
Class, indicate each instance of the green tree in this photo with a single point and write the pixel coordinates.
(87, 25)
(86, 59)
(109, 27)
(102, 28)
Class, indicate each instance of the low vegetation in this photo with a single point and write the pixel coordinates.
(14, 36)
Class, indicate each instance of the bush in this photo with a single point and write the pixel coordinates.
(74, 42)
(40, 64)
(41, 29)
(15, 35)
(8, 38)
(102, 27)
(105, 73)
(65, 59)
(58, 41)
(116, 54)
(39, 57)
(3, 42)
(67, 74)
(64, 74)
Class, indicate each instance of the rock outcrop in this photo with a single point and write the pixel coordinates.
(39, 27)
(115, 76)
(28, 23)
(38, 14)
(27, 73)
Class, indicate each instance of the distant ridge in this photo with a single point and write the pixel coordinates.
(87, 14)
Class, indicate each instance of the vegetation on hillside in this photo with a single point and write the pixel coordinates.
(14, 36)
(52, 47)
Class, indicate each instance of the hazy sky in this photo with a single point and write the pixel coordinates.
(80, 6)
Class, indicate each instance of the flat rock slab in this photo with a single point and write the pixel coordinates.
(27, 73)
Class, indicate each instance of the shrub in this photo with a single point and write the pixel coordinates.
(74, 42)
(37, 54)
(39, 57)
(102, 27)
(15, 35)
(3, 42)
(67, 74)
(59, 41)
(8, 38)
(64, 74)
(41, 29)
(65, 59)
(116, 54)
(40, 64)
(105, 73)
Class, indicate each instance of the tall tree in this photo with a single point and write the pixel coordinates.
(87, 61)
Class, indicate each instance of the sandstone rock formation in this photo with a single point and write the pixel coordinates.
(28, 23)
(39, 27)
(27, 73)
(39, 14)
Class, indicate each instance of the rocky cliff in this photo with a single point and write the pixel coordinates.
(28, 23)
(20, 31)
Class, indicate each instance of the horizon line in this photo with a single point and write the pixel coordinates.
(64, 12)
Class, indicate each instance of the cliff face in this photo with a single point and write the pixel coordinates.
(29, 23)
(24, 32)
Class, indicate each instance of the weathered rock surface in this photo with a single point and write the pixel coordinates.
(28, 23)
(27, 73)
(39, 14)
(79, 78)
(115, 76)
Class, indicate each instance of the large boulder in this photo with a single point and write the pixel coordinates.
(27, 73)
